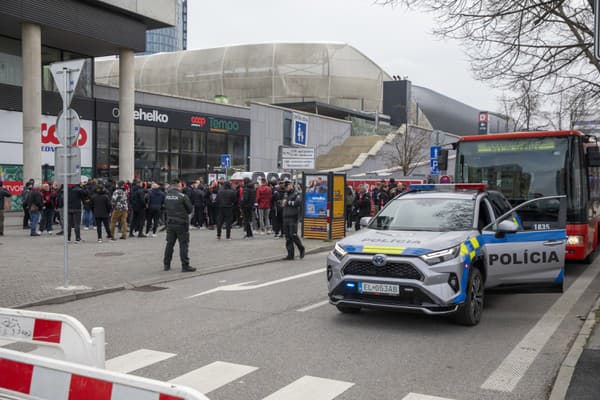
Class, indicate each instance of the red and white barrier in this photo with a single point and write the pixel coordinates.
(55, 335)
(28, 376)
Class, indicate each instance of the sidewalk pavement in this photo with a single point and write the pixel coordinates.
(585, 382)
(32, 267)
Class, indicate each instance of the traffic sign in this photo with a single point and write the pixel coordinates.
(299, 129)
(66, 75)
(73, 167)
(445, 179)
(434, 152)
(64, 120)
(225, 160)
(434, 167)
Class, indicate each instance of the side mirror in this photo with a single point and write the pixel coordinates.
(507, 227)
(364, 221)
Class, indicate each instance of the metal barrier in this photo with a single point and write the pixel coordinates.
(29, 376)
(54, 335)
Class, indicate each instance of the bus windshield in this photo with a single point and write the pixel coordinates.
(521, 169)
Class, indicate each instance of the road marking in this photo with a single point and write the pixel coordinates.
(4, 342)
(313, 306)
(418, 396)
(213, 376)
(506, 377)
(246, 285)
(136, 360)
(311, 387)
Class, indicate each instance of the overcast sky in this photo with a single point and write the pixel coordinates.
(398, 40)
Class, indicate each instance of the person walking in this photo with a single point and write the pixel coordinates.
(292, 204)
(247, 205)
(3, 194)
(264, 197)
(227, 201)
(101, 207)
(156, 201)
(349, 203)
(178, 207)
(34, 205)
(119, 205)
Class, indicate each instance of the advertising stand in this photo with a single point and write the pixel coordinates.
(323, 206)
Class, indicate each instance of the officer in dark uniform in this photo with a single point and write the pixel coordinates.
(292, 203)
(178, 208)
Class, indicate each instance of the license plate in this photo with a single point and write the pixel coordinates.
(379, 288)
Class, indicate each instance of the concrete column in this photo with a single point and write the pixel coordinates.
(32, 101)
(126, 121)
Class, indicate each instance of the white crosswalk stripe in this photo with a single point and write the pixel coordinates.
(418, 396)
(213, 376)
(311, 387)
(136, 360)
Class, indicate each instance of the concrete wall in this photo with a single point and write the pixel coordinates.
(267, 124)
(158, 10)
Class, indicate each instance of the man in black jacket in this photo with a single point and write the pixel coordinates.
(138, 205)
(362, 205)
(248, 200)
(198, 197)
(178, 207)
(226, 200)
(3, 193)
(34, 205)
(77, 194)
(292, 204)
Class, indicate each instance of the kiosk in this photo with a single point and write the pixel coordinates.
(323, 207)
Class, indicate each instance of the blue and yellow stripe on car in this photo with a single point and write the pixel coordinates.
(389, 250)
(468, 250)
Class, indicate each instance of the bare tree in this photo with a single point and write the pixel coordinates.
(411, 148)
(547, 43)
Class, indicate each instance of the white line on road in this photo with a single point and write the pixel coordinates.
(418, 396)
(310, 387)
(506, 377)
(136, 360)
(246, 285)
(313, 306)
(213, 376)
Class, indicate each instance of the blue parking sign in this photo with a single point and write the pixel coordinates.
(225, 160)
(299, 129)
(434, 152)
(434, 167)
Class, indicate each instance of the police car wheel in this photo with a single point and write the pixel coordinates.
(348, 310)
(469, 313)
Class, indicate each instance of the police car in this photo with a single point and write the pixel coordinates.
(436, 248)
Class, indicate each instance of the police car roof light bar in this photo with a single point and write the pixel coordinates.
(449, 186)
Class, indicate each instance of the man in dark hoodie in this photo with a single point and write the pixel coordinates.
(77, 194)
(248, 200)
(156, 201)
(34, 205)
(101, 207)
(138, 205)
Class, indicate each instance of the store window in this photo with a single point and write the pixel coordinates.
(145, 143)
(237, 147)
(215, 145)
(11, 63)
(192, 141)
(163, 139)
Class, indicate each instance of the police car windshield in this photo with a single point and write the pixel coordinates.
(426, 214)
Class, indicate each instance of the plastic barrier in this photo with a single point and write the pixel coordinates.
(28, 376)
(54, 335)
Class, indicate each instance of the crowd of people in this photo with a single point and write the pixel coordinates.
(139, 209)
(363, 203)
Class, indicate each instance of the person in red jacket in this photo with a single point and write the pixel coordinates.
(264, 197)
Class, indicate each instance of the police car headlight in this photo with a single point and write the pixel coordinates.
(339, 251)
(440, 256)
(575, 240)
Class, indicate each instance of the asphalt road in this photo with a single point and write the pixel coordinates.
(273, 337)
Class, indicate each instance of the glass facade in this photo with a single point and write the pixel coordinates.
(11, 66)
(169, 39)
(162, 154)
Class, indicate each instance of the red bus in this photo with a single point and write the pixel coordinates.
(527, 165)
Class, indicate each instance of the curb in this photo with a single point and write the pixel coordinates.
(567, 368)
(154, 281)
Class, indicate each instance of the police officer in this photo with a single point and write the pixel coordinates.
(291, 211)
(178, 207)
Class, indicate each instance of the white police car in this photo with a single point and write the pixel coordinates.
(435, 248)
